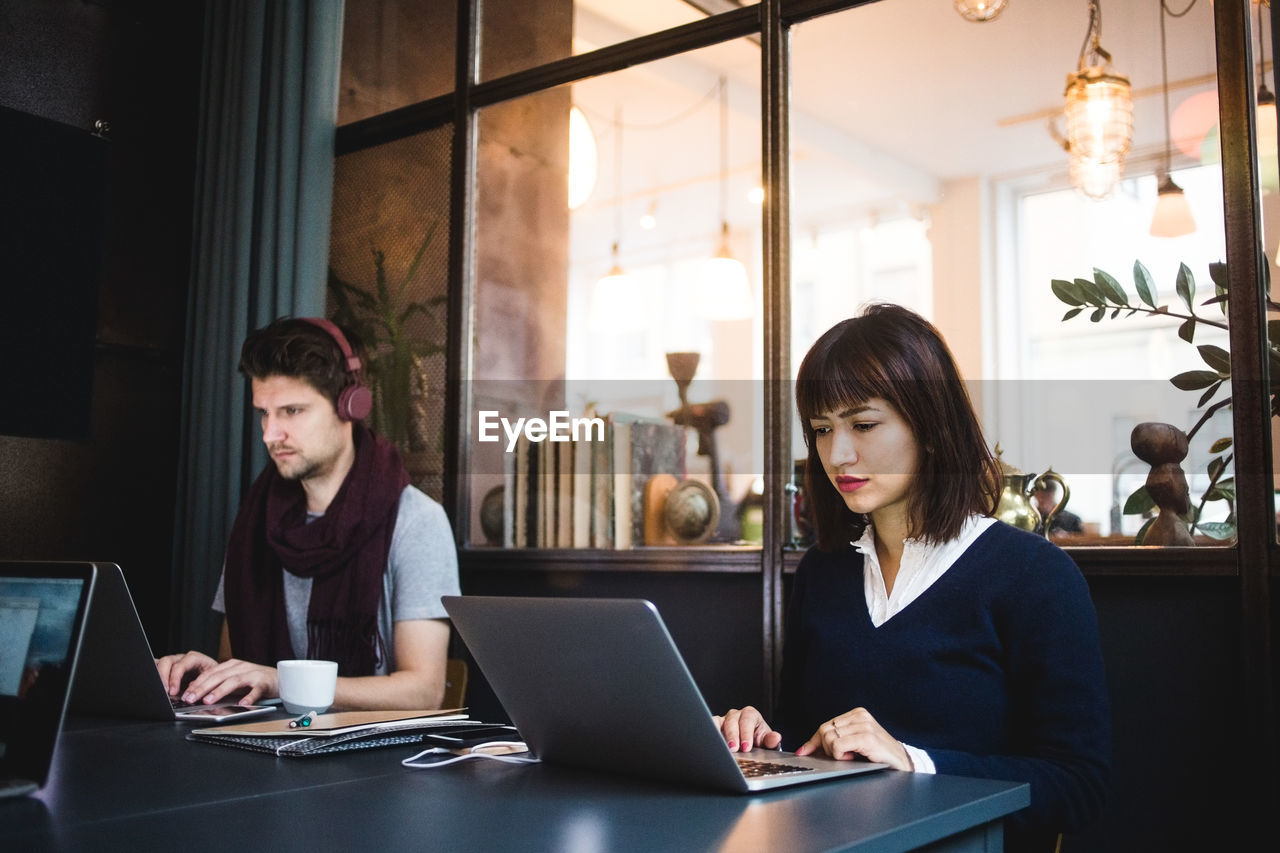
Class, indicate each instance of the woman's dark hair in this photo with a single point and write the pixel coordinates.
(299, 349)
(896, 355)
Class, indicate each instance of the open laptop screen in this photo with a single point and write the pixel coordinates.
(41, 614)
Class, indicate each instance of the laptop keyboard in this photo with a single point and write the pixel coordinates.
(753, 769)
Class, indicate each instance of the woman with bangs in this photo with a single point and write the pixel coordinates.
(921, 632)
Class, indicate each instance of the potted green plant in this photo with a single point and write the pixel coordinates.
(1103, 296)
(386, 319)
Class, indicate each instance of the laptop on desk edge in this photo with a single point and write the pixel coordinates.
(43, 608)
(599, 684)
(118, 675)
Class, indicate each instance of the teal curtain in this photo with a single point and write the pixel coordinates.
(264, 183)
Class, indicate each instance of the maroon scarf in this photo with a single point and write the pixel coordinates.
(344, 552)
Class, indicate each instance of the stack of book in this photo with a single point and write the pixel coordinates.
(341, 732)
(588, 492)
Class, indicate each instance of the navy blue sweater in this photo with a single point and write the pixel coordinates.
(995, 670)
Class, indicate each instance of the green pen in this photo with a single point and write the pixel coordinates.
(303, 721)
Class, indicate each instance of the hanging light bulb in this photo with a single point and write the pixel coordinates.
(582, 159)
(1095, 179)
(725, 292)
(1099, 109)
(613, 299)
(649, 219)
(616, 303)
(616, 276)
(1172, 215)
(980, 10)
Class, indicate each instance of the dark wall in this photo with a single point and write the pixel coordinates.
(109, 493)
(1172, 651)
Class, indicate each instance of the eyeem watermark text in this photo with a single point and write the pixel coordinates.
(558, 426)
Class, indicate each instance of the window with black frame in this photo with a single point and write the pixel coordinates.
(968, 192)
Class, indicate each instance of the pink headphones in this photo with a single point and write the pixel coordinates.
(355, 402)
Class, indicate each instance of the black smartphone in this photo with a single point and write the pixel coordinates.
(466, 739)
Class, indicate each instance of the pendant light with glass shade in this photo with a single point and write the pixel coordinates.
(1093, 178)
(725, 291)
(1172, 216)
(980, 10)
(1099, 114)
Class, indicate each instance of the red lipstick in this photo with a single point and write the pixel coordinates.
(850, 484)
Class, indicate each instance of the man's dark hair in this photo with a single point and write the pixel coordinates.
(296, 348)
(896, 355)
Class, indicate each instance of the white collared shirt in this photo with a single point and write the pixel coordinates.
(922, 565)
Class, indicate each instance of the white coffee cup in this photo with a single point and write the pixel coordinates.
(307, 685)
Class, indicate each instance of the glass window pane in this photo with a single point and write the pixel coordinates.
(1265, 36)
(388, 276)
(394, 53)
(950, 192)
(520, 34)
(676, 156)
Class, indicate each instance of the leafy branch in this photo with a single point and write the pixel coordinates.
(1105, 295)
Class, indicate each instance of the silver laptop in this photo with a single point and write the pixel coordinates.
(599, 684)
(42, 615)
(118, 675)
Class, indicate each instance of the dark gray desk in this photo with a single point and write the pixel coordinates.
(141, 786)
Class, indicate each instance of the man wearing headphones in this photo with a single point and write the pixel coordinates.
(333, 555)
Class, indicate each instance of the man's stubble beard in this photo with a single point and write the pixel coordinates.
(305, 471)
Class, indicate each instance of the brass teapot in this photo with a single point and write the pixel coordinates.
(1016, 505)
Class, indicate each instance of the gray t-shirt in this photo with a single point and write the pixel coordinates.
(421, 566)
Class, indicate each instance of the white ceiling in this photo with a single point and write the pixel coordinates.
(889, 101)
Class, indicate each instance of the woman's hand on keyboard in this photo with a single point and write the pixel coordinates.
(745, 728)
(856, 734)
